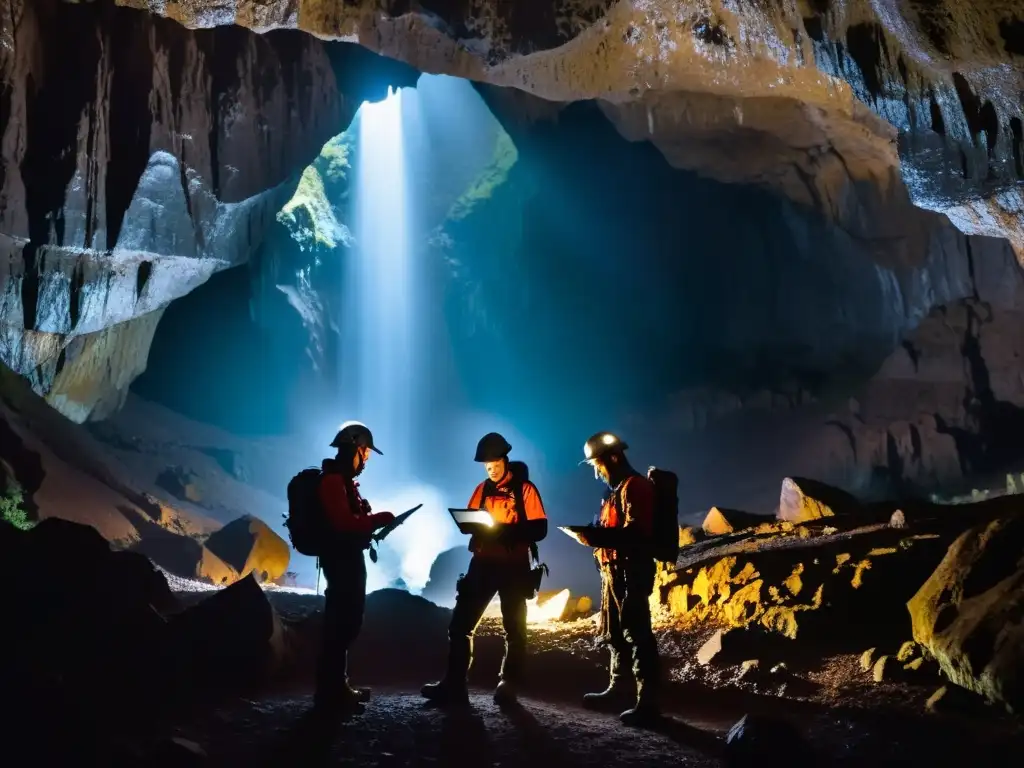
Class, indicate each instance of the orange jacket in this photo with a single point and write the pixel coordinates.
(636, 514)
(503, 510)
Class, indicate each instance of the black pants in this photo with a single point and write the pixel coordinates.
(626, 619)
(475, 590)
(344, 602)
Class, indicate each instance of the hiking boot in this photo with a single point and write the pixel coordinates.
(615, 695)
(444, 693)
(641, 717)
(646, 713)
(505, 693)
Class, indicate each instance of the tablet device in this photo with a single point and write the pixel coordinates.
(470, 521)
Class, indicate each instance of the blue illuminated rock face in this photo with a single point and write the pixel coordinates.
(457, 157)
(139, 158)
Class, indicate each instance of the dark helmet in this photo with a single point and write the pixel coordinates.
(602, 444)
(492, 447)
(355, 433)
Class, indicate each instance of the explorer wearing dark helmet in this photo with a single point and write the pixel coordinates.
(500, 565)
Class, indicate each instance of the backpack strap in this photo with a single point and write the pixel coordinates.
(516, 488)
(520, 508)
(619, 494)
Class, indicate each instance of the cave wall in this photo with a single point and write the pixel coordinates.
(732, 329)
(138, 158)
(154, 154)
(211, 362)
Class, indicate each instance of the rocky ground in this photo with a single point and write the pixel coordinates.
(840, 633)
(813, 709)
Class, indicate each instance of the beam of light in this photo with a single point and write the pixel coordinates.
(380, 332)
(548, 612)
(381, 339)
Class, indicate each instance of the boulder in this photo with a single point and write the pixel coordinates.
(234, 637)
(755, 740)
(720, 521)
(969, 614)
(185, 557)
(86, 625)
(687, 536)
(248, 545)
(383, 649)
(444, 574)
(803, 500)
(143, 582)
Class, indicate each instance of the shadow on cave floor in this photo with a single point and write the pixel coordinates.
(550, 727)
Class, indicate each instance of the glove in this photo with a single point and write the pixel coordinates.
(380, 519)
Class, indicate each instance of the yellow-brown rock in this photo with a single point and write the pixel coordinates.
(847, 590)
(214, 570)
(970, 613)
(907, 651)
(803, 500)
(879, 670)
(721, 521)
(914, 665)
(249, 546)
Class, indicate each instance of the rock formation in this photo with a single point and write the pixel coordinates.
(860, 577)
(139, 158)
(808, 98)
(967, 614)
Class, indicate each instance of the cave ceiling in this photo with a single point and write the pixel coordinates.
(833, 104)
(853, 109)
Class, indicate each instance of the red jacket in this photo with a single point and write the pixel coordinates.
(346, 510)
(636, 512)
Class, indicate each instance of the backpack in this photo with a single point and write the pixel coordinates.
(665, 543)
(306, 521)
(666, 514)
